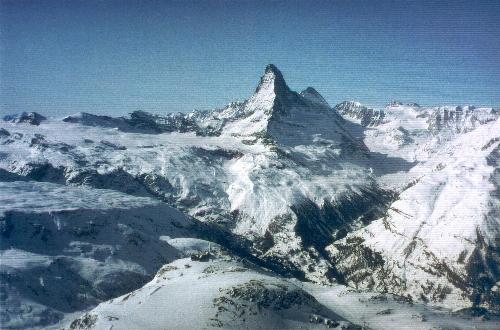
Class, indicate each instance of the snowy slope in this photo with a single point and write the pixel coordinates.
(223, 293)
(384, 311)
(439, 239)
(228, 292)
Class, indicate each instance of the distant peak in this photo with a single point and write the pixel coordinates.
(33, 118)
(312, 95)
(310, 90)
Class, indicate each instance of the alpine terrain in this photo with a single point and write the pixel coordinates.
(277, 212)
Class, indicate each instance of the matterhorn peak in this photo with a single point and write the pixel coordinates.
(271, 68)
(272, 80)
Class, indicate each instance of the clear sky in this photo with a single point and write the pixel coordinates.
(114, 57)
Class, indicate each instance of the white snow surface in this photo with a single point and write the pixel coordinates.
(223, 293)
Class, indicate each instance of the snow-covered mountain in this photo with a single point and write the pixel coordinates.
(438, 240)
(277, 161)
(400, 200)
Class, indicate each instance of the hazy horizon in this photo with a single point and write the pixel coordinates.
(114, 57)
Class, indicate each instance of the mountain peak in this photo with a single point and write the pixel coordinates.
(271, 68)
(310, 90)
(312, 95)
(33, 118)
(272, 80)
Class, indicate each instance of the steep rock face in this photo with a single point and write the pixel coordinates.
(459, 119)
(272, 99)
(438, 241)
(278, 116)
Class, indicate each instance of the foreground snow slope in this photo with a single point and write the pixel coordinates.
(223, 293)
(229, 292)
(384, 311)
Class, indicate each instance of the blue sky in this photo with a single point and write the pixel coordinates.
(114, 57)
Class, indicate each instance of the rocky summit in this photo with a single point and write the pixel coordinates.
(277, 212)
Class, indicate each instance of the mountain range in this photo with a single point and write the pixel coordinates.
(277, 212)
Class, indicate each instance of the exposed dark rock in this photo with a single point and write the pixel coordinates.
(43, 172)
(32, 118)
(88, 119)
(4, 132)
(112, 145)
(117, 179)
(385, 312)
(209, 154)
(201, 256)
(458, 120)
(85, 322)
(257, 295)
